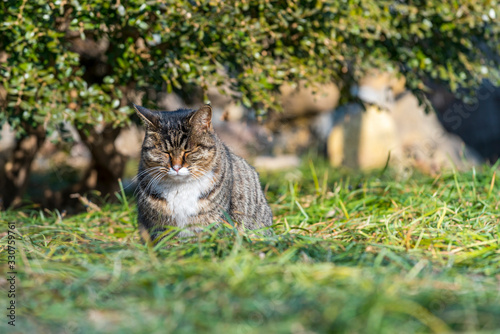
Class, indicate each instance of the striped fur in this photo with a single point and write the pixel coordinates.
(189, 179)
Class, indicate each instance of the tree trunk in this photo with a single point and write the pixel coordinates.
(14, 173)
(108, 164)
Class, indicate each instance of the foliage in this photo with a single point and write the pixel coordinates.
(254, 45)
(351, 253)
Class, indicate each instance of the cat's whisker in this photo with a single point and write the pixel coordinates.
(141, 175)
(157, 172)
(157, 179)
(136, 179)
(148, 186)
(150, 170)
(146, 171)
(154, 180)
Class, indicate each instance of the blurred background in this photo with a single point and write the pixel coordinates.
(412, 85)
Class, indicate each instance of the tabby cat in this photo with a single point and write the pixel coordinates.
(189, 178)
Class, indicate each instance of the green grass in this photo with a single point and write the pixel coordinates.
(351, 253)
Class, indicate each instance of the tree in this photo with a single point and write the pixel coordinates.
(81, 62)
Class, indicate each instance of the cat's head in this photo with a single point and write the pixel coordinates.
(179, 145)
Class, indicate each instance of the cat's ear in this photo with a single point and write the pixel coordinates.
(149, 117)
(202, 118)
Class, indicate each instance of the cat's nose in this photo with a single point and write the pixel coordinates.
(176, 167)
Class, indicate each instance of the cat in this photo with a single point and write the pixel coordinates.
(188, 178)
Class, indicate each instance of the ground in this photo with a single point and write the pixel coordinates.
(354, 253)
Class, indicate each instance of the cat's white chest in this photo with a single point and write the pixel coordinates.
(183, 197)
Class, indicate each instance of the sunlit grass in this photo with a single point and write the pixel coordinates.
(350, 253)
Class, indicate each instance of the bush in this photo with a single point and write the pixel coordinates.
(80, 62)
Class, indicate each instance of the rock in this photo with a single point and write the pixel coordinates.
(414, 139)
(293, 138)
(7, 139)
(306, 119)
(170, 101)
(303, 99)
(423, 141)
(129, 141)
(384, 81)
(280, 162)
(244, 139)
(362, 139)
